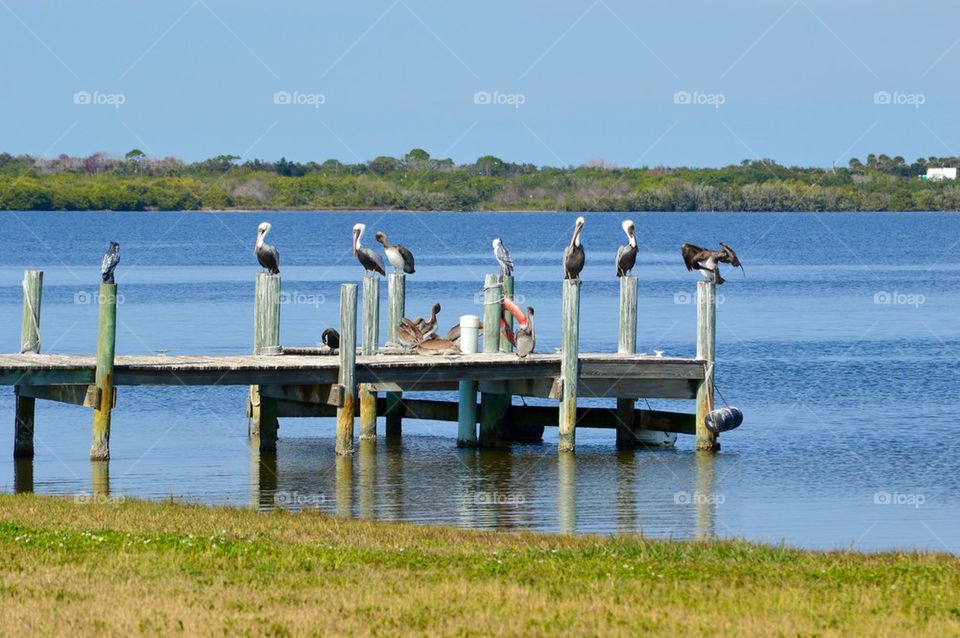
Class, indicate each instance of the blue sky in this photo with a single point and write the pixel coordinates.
(697, 83)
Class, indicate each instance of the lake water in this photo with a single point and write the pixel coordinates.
(841, 344)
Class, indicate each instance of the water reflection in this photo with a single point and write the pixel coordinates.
(100, 478)
(705, 499)
(567, 492)
(367, 461)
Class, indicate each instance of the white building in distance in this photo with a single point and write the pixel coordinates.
(938, 174)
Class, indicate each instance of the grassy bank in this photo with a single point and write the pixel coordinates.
(133, 567)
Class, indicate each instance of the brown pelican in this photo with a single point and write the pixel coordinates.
(367, 257)
(573, 256)
(398, 255)
(627, 255)
(413, 333)
(266, 254)
(109, 263)
(438, 346)
(503, 258)
(331, 338)
(524, 339)
(697, 258)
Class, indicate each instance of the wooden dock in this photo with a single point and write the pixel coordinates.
(302, 382)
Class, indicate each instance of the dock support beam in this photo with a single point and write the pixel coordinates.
(627, 344)
(266, 341)
(396, 309)
(569, 364)
(348, 362)
(706, 350)
(29, 343)
(493, 408)
(371, 337)
(467, 404)
(106, 344)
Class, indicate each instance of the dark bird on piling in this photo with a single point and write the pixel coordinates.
(109, 263)
(398, 255)
(709, 261)
(330, 338)
(573, 256)
(503, 258)
(267, 254)
(524, 339)
(627, 255)
(369, 259)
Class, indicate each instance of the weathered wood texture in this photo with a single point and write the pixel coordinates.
(106, 345)
(266, 342)
(627, 344)
(29, 344)
(569, 368)
(347, 371)
(371, 338)
(706, 350)
(396, 310)
(493, 406)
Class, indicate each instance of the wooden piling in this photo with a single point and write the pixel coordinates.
(106, 344)
(266, 341)
(348, 362)
(396, 309)
(506, 289)
(467, 404)
(371, 337)
(627, 344)
(706, 350)
(569, 364)
(29, 343)
(493, 407)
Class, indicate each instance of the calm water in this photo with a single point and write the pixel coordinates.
(851, 403)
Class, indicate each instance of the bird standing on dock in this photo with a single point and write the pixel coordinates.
(398, 255)
(627, 255)
(524, 339)
(503, 258)
(709, 261)
(267, 254)
(109, 262)
(573, 255)
(330, 338)
(369, 259)
(413, 333)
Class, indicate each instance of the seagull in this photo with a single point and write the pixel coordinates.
(627, 255)
(503, 258)
(398, 255)
(697, 258)
(573, 256)
(109, 262)
(266, 254)
(367, 257)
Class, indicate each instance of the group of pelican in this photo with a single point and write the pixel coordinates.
(421, 334)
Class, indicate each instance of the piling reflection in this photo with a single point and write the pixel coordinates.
(22, 476)
(626, 492)
(100, 478)
(467, 468)
(393, 488)
(344, 485)
(264, 477)
(567, 492)
(367, 460)
(706, 500)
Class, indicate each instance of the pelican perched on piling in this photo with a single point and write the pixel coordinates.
(109, 262)
(627, 255)
(573, 255)
(369, 259)
(709, 261)
(267, 255)
(503, 258)
(398, 256)
(524, 339)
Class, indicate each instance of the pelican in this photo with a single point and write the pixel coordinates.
(627, 255)
(524, 339)
(398, 256)
(697, 258)
(413, 333)
(331, 338)
(454, 333)
(266, 254)
(503, 258)
(368, 258)
(109, 263)
(573, 256)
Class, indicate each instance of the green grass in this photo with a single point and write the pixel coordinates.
(162, 568)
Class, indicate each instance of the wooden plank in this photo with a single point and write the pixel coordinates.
(415, 386)
(541, 388)
(326, 394)
(85, 395)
